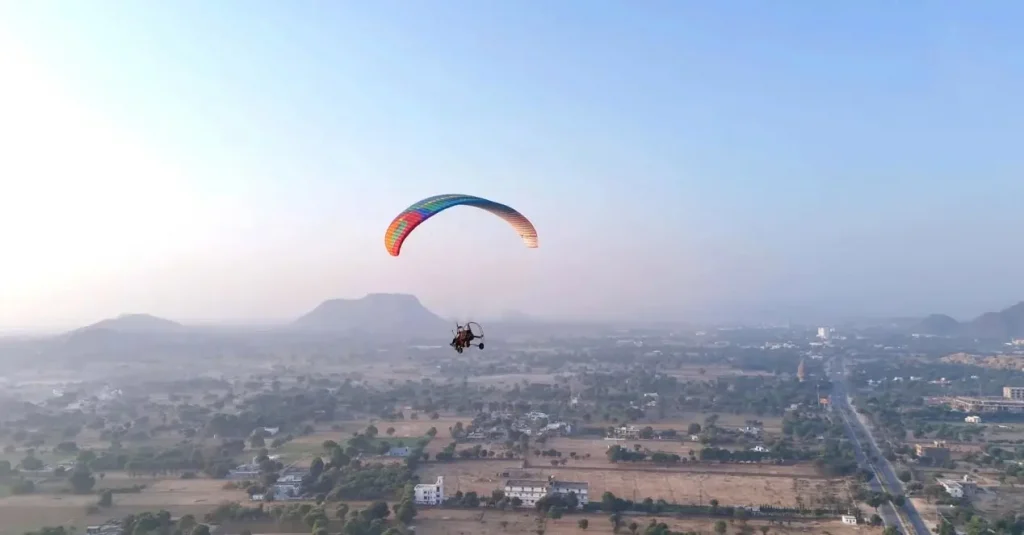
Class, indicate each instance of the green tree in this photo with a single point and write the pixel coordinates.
(201, 529)
(616, 521)
(371, 431)
(106, 499)
(720, 527)
(341, 512)
(905, 476)
(406, 511)
(583, 523)
(30, 462)
(81, 480)
(891, 530)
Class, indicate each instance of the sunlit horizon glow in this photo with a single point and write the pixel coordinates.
(209, 162)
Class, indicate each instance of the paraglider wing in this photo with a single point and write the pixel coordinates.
(408, 220)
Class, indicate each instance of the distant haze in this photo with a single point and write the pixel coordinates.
(239, 162)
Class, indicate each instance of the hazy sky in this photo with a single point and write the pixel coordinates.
(242, 159)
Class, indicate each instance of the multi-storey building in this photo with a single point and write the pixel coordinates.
(430, 493)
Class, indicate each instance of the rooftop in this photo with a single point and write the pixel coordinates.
(570, 485)
(526, 483)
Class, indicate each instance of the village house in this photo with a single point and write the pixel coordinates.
(429, 494)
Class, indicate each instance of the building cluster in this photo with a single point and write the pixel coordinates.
(287, 487)
(499, 424)
(250, 470)
(1012, 401)
(530, 491)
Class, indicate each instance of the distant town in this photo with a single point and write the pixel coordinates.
(550, 429)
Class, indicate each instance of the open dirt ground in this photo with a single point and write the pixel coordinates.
(693, 372)
(679, 422)
(483, 477)
(196, 496)
(406, 431)
(447, 522)
(597, 449)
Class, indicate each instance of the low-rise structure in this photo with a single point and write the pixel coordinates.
(973, 419)
(938, 453)
(112, 527)
(581, 490)
(983, 405)
(529, 491)
(429, 494)
(953, 488)
(849, 519)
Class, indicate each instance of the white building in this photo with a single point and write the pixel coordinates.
(527, 490)
(953, 488)
(825, 333)
(973, 419)
(581, 490)
(532, 490)
(849, 519)
(429, 494)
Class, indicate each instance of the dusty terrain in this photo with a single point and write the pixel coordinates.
(1003, 362)
(452, 522)
(195, 496)
(483, 477)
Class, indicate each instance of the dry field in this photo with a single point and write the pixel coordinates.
(1000, 500)
(445, 522)
(403, 428)
(772, 424)
(692, 372)
(483, 477)
(597, 448)
(196, 496)
(510, 380)
(406, 431)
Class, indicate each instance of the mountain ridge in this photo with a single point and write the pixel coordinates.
(1006, 323)
(375, 313)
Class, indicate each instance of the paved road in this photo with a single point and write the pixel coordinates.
(841, 400)
(886, 509)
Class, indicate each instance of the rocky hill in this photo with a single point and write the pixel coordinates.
(939, 325)
(399, 315)
(1002, 325)
(134, 323)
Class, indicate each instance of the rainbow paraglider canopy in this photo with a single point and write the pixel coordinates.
(411, 217)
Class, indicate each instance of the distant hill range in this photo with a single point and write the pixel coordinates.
(1005, 324)
(134, 323)
(400, 315)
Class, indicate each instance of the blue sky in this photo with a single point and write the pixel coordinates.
(681, 159)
